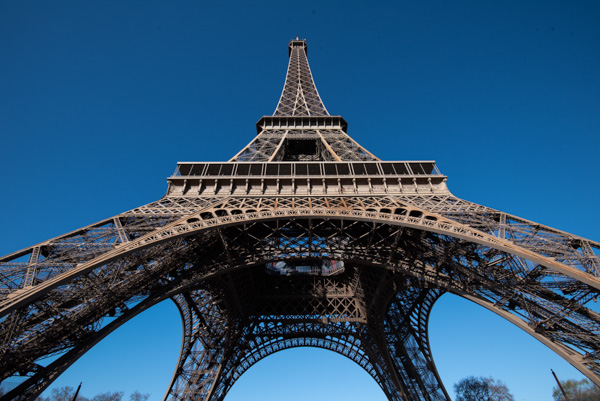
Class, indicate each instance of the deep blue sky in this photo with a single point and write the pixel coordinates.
(99, 100)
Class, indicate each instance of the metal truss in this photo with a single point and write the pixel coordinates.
(299, 96)
(400, 240)
(276, 313)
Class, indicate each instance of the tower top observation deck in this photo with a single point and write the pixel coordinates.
(297, 43)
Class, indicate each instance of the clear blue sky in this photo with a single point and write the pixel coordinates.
(99, 100)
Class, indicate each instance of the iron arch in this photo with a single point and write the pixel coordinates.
(471, 268)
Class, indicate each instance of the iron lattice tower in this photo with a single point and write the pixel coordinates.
(303, 238)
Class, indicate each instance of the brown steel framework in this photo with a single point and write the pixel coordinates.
(304, 238)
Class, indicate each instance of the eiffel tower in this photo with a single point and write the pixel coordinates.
(303, 238)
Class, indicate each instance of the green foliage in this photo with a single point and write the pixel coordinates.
(577, 390)
(482, 389)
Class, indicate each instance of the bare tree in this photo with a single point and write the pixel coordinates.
(577, 390)
(65, 393)
(108, 396)
(137, 396)
(482, 389)
(499, 391)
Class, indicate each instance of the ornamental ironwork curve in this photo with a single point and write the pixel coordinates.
(303, 238)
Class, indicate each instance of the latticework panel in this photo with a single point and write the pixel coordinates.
(204, 348)
(303, 145)
(269, 313)
(566, 248)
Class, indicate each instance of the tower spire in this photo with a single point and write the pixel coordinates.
(301, 129)
(299, 96)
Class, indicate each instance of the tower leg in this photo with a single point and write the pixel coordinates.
(203, 350)
(407, 344)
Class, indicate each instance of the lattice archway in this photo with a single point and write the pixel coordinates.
(424, 259)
